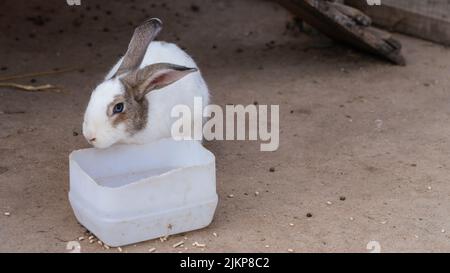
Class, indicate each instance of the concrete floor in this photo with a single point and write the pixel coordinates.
(352, 127)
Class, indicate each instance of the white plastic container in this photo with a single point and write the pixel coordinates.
(132, 193)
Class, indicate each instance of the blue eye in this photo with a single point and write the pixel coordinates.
(118, 108)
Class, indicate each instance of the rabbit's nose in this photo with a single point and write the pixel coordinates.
(90, 137)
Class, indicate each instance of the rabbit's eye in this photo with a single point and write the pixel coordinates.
(118, 108)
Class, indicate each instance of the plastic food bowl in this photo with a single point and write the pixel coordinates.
(132, 193)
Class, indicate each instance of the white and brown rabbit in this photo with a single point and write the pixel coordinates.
(134, 103)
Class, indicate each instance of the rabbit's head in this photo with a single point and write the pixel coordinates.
(118, 108)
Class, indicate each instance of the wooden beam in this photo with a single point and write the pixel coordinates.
(346, 25)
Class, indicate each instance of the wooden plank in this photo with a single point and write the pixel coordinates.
(427, 19)
(346, 25)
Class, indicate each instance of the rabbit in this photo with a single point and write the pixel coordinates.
(133, 104)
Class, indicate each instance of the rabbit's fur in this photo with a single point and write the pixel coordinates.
(165, 77)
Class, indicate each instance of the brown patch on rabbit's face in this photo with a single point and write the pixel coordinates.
(137, 84)
(134, 114)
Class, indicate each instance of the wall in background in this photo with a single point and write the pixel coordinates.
(427, 19)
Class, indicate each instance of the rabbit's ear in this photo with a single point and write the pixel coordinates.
(143, 35)
(152, 77)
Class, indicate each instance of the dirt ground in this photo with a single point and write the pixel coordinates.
(363, 145)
